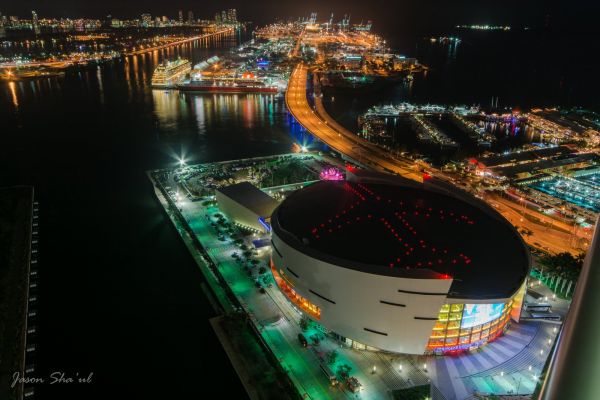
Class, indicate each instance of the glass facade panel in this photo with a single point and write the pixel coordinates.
(453, 325)
(462, 326)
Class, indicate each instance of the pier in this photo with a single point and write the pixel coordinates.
(182, 41)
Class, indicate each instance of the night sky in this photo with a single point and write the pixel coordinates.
(426, 14)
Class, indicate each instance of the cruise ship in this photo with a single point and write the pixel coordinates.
(248, 83)
(169, 73)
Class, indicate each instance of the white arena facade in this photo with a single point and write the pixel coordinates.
(399, 266)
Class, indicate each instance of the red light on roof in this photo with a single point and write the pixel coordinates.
(472, 161)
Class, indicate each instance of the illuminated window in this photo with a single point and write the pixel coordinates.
(455, 316)
(461, 326)
(286, 287)
(453, 325)
(456, 307)
(452, 333)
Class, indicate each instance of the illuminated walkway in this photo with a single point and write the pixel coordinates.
(322, 126)
(509, 365)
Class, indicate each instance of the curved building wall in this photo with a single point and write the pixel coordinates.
(391, 313)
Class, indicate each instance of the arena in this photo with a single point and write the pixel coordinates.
(399, 266)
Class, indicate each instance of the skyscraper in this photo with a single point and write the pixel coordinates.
(190, 17)
(224, 16)
(35, 23)
(2, 24)
(146, 20)
(181, 16)
(232, 16)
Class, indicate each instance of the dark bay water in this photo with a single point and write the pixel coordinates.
(522, 69)
(119, 294)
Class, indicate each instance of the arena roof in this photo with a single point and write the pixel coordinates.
(404, 231)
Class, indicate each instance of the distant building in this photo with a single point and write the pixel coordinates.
(181, 16)
(190, 17)
(35, 23)
(401, 62)
(2, 26)
(116, 23)
(247, 205)
(146, 20)
(224, 17)
(232, 16)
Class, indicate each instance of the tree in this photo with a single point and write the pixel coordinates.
(563, 265)
(344, 371)
(331, 357)
(304, 323)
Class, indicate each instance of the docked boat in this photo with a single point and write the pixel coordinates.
(245, 84)
(170, 73)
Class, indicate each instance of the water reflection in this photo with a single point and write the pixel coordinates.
(255, 115)
(13, 92)
(133, 73)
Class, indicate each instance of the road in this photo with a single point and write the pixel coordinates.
(322, 126)
(545, 237)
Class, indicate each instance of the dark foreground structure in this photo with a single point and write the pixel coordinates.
(16, 216)
(575, 366)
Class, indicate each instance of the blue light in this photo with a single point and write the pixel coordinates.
(264, 223)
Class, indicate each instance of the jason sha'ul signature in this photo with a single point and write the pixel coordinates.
(57, 377)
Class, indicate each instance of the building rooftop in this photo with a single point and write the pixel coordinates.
(523, 156)
(251, 197)
(536, 167)
(406, 231)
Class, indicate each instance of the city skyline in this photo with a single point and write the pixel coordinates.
(559, 15)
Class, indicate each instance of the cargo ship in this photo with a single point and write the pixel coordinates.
(169, 73)
(248, 83)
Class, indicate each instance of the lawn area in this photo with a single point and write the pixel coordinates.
(287, 172)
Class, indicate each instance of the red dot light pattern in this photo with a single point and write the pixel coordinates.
(412, 251)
